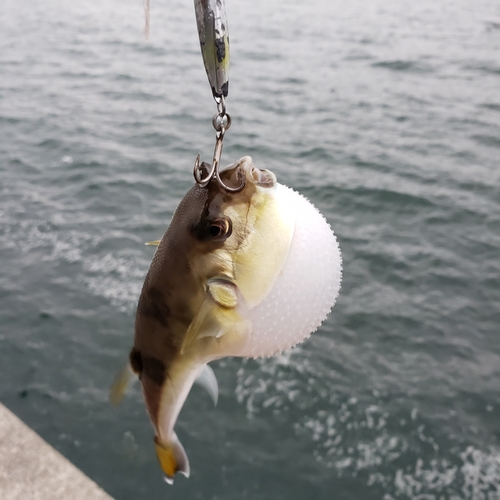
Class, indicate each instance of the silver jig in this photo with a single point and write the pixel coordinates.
(214, 43)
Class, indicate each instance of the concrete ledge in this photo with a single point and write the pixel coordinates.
(30, 469)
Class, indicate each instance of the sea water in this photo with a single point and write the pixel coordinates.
(385, 114)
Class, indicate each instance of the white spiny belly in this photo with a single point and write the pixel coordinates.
(305, 290)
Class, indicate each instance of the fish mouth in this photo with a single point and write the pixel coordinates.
(263, 177)
(232, 175)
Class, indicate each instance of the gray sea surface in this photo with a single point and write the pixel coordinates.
(386, 115)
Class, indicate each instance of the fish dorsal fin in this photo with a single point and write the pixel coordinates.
(207, 380)
(123, 380)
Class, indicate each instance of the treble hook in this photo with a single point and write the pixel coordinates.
(221, 122)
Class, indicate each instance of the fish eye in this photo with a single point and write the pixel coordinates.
(220, 229)
(215, 230)
(212, 229)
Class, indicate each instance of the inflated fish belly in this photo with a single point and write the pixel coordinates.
(248, 273)
(305, 290)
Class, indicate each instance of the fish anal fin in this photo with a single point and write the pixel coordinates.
(172, 458)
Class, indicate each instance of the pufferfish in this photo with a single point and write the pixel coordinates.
(248, 273)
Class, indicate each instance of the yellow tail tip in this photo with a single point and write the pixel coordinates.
(172, 458)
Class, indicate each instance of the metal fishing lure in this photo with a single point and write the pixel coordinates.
(214, 43)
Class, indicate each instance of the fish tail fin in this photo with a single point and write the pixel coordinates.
(172, 458)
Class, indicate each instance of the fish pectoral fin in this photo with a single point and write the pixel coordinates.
(223, 292)
(216, 321)
(202, 325)
(121, 383)
(207, 380)
(172, 458)
(154, 243)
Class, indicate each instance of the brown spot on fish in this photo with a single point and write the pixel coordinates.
(153, 304)
(154, 369)
(135, 360)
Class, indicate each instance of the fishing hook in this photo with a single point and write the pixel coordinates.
(221, 122)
